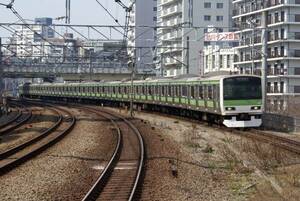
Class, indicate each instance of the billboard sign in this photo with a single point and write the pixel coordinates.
(223, 36)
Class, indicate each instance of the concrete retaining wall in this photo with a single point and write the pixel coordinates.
(281, 123)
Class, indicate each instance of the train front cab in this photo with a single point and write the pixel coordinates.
(241, 100)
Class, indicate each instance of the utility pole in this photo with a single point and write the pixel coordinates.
(162, 63)
(264, 57)
(252, 53)
(1, 72)
(68, 11)
(188, 55)
(131, 64)
(90, 64)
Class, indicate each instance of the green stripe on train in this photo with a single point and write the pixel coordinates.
(242, 102)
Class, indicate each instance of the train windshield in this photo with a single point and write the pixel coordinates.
(242, 88)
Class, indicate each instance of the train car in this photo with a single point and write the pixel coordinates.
(233, 100)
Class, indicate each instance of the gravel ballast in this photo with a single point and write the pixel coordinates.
(68, 169)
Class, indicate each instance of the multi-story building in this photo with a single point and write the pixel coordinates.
(219, 52)
(283, 44)
(183, 38)
(30, 41)
(142, 38)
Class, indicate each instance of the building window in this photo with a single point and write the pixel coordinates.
(297, 18)
(219, 5)
(207, 17)
(207, 5)
(297, 71)
(296, 89)
(219, 18)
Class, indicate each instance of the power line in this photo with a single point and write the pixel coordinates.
(123, 26)
(109, 13)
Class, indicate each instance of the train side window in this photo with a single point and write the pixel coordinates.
(143, 90)
(184, 90)
(135, 88)
(149, 91)
(216, 90)
(192, 91)
(204, 91)
(177, 88)
(175, 91)
(209, 92)
(201, 92)
(172, 90)
(169, 90)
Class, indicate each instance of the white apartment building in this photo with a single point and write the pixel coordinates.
(182, 50)
(219, 52)
(141, 40)
(29, 39)
(283, 49)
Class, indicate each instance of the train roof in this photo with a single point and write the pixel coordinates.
(163, 80)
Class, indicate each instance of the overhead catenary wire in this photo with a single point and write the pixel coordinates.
(109, 13)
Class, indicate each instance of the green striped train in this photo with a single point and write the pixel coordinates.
(233, 100)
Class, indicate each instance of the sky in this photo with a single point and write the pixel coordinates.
(82, 11)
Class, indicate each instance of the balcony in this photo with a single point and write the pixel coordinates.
(173, 48)
(173, 22)
(172, 35)
(172, 11)
(166, 2)
(245, 7)
(172, 61)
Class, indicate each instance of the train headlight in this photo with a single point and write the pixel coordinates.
(230, 108)
(255, 108)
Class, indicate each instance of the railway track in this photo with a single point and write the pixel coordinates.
(275, 140)
(21, 153)
(121, 176)
(12, 119)
(24, 114)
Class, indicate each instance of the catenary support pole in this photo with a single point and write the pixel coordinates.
(1, 73)
(264, 58)
(188, 55)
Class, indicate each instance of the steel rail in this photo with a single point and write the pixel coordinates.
(93, 192)
(23, 157)
(11, 120)
(17, 123)
(275, 140)
(44, 134)
(141, 156)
